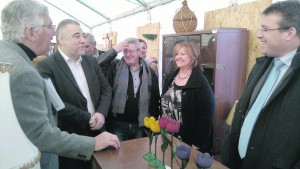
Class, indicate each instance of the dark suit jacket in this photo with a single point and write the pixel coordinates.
(105, 58)
(274, 142)
(75, 117)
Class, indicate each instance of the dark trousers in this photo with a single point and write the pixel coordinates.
(126, 131)
(69, 163)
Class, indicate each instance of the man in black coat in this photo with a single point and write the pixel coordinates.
(135, 93)
(271, 138)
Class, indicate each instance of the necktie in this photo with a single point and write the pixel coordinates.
(257, 106)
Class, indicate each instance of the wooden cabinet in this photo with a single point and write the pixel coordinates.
(224, 57)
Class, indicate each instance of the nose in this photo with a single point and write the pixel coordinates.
(259, 34)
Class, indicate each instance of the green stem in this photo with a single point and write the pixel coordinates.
(171, 151)
(155, 143)
(150, 145)
(181, 165)
(164, 157)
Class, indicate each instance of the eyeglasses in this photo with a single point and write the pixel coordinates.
(267, 30)
(130, 52)
(50, 27)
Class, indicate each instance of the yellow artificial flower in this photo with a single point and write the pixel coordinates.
(154, 126)
(148, 121)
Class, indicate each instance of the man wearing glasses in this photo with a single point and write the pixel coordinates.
(136, 93)
(27, 32)
(265, 132)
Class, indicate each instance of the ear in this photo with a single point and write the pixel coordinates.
(292, 33)
(30, 34)
(60, 39)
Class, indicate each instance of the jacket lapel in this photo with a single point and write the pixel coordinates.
(87, 72)
(258, 81)
(65, 69)
(286, 77)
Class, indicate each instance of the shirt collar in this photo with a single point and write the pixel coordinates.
(68, 59)
(287, 58)
(140, 66)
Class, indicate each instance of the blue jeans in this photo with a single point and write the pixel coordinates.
(126, 131)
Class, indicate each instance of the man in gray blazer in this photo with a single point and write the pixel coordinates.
(27, 31)
(80, 84)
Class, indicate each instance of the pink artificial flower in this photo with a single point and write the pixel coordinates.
(173, 126)
(163, 121)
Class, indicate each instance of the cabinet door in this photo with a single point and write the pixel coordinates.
(208, 56)
(230, 71)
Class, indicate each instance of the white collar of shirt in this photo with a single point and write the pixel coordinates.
(288, 58)
(68, 59)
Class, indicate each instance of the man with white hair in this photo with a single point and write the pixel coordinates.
(27, 31)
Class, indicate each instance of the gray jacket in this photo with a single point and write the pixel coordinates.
(34, 112)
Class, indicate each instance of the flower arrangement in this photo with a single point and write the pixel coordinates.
(166, 125)
(203, 161)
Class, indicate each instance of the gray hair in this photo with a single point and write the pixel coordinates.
(90, 36)
(289, 11)
(60, 31)
(19, 15)
(134, 41)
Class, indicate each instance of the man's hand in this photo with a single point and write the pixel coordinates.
(97, 121)
(121, 46)
(106, 139)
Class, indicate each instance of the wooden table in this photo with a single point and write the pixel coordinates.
(130, 156)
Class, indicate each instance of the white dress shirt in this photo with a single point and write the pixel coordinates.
(80, 78)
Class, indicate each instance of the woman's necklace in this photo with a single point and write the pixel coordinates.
(184, 77)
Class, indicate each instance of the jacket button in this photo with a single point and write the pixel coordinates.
(184, 93)
(252, 148)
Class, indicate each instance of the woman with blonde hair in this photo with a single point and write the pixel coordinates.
(187, 96)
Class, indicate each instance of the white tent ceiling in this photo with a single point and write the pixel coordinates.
(93, 13)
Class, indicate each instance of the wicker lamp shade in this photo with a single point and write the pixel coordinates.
(185, 20)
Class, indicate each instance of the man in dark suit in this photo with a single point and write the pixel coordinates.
(81, 85)
(265, 131)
